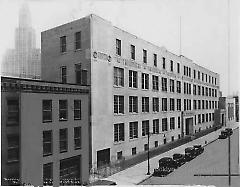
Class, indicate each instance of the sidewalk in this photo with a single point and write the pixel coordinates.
(137, 174)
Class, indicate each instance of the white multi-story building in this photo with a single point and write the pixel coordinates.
(136, 86)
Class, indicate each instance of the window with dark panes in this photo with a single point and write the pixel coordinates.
(179, 104)
(63, 110)
(164, 84)
(63, 140)
(164, 104)
(155, 104)
(171, 85)
(48, 174)
(194, 105)
(199, 118)
(118, 132)
(133, 104)
(12, 112)
(164, 62)
(133, 130)
(47, 143)
(63, 74)
(78, 72)
(178, 67)
(171, 65)
(145, 81)
(156, 126)
(118, 47)
(202, 76)
(202, 91)
(199, 90)
(194, 89)
(189, 72)
(132, 52)
(84, 77)
(47, 110)
(209, 92)
(77, 109)
(172, 123)
(172, 104)
(164, 124)
(134, 151)
(77, 138)
(185, 104)
(12, 148)
(155, 59)
(78, 40)
(118, 104)
(63, 44)
(178, 87)
(155, 82)
(118, 76)
(119, 155)
(145, 104)
(144, 56)
(189, 88)
(206, 92)
(179, 122)
(203, 118)
(198, 75)
(133, 79)
(194, 73)
(184, 87)
(145, 127)
(199, 104)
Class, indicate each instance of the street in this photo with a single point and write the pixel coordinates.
(214, 160)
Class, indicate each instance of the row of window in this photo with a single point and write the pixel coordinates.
(63, 110)
(202, 118)
(63, 140)
(77, 42)
(80, 75)
(133, 104)
(133, 83)
(119, 132)
(187, 70)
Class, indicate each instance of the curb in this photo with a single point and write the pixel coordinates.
(144, 179)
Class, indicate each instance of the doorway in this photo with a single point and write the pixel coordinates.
(189, 126)
(103, 157)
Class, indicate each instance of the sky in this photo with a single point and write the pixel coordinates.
(204, 26)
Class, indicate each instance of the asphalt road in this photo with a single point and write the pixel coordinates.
(214, 160)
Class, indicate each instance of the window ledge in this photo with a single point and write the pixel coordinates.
(47, 154)
(133, 139)
(77, 50)
(47, 121)
(63, 119)
(63, 53)
(77, 119)
(115, 86)
(120, 114)
(118, 143)
(64, 151)
(12, 161)
(133, 113)
(133, 88)
(77, 148)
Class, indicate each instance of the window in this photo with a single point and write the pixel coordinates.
(118, 132)
(178, 87)
(172, 104)
(210, 116)
(12, 112)
(206, 117)
(78, 40)
(155, 104)
(189, 72)
(171, 65)
(133, 104)
(156, 126)
(145, 147)
(178, 67)
(202, 76)
(155, 83)
(81, 75)
(194, 73)
(198, 75)
(184, 70)
(206, 104)
(209, 79)
(118, 104)
(133, 130)
(210, 92)
(194, 105)
(13, 148)
(133, 79)
(63, 44)
(199, 90)
(77, 109)
(47, 110)
(145, 104)
(47, 143)
(48, 174)
(179, 104)
(155, 59)
(199, 118)
(199, 104)
(156, 143)
(63, 74)
(172, 138)
(189, 88)
(172, 123)
(202, 91)
(118, 76)
(132, 52)
(134, 151)
(215, 81)
(171, 85)
(203, 105)
(77, 137)
(119, 155)
(145, 127)
(206, 91)
(164, 124)
(164, 84)
(190, 104)
(144, 56)
(184, 87)
(63, 140)
(145, 81)
(164, 104)
(63, 110)
(118, 47)
(203, 118)
(206, 77)
(213, 104)
(215, 93)
(164, 62)
(179, 122)
(194, 89)
(210, 106)
(185, 104)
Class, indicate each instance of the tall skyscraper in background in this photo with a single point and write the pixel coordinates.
(24, 60)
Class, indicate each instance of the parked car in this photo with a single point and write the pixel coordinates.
(179, 158)
(198, 149)
(162, 172)
(229, 131)
(190, 153)
(222, 136)
(167, 162)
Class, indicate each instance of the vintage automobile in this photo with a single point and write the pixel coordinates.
(167, 162)
(179, 158)
(198, 149)
(162, 172)
(229, 131)
(190, 153)
(222, 136)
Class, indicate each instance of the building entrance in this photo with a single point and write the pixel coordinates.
(189, 126)
(103, 157)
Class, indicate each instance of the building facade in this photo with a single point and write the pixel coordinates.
(44, 133)
(136, 87)
(24, 60)
(230, 110)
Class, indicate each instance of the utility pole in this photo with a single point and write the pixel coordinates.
(148, 173)
(229, 161)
